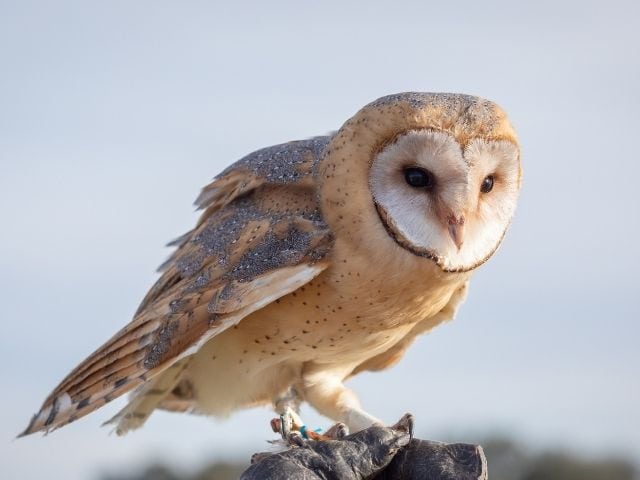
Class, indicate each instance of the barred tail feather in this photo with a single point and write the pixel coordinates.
(147, 399)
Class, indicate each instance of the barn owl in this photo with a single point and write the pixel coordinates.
(312, 261)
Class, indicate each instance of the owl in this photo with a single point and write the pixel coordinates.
(312, 261)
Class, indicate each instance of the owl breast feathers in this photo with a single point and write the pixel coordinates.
(312, 261)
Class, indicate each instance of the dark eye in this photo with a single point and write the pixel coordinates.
(419, 177)
(487, 184)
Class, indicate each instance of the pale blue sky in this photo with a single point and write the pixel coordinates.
(114, 114)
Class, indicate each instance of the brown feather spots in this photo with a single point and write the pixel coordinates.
(120, 382)
(53, 413)
(83, 403)
(176, 305)
(155, 392)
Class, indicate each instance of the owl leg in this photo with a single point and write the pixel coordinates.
(332, 399)
(288, 407)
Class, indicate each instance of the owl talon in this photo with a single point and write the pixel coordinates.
(337, 432)
(294, 439)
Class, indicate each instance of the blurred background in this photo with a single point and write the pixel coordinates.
(114, 114)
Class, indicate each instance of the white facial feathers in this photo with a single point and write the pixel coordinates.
(451, 221)
(409, 211)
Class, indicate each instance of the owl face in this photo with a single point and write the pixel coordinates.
(439, 200)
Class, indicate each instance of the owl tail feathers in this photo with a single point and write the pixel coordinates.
(61, 408)
(45, 419)
(146, 399)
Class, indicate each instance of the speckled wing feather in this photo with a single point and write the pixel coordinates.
(261, 236)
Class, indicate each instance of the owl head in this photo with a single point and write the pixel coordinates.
(437, 174)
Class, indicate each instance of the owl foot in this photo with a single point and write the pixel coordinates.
(292, 429)
(337, 431)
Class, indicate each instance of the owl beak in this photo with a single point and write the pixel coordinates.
(456, 229)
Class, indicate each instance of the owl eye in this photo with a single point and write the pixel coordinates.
(419, 177)
(487, 184)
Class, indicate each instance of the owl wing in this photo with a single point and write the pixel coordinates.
(260, 236)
